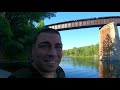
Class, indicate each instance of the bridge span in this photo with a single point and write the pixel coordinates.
(85, 23)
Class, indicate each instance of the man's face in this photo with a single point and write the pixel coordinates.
(47, 52)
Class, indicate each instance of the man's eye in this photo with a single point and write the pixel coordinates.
(59, 47)
(43, 46)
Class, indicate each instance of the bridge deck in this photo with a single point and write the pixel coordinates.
(85, 23)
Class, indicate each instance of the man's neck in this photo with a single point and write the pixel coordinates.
(46, 74)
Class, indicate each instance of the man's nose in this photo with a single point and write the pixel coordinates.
(52, 51)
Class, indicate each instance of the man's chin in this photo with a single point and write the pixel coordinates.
(51, 69)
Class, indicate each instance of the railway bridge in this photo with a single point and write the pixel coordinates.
(85, 23)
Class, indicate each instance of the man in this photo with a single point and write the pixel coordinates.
(46, 57)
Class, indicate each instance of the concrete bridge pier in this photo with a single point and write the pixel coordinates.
(109, 51)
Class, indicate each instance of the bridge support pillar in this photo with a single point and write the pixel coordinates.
(109, 51)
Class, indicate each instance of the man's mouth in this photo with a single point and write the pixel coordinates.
(51, 61)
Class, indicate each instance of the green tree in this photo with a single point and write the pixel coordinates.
(5, 33)
(22, 28)
(40, 24)
(83, 51)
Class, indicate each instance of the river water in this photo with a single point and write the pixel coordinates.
(76, 67)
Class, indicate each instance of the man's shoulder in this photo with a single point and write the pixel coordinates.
(60, 72)
(60, 69)
(28, 73)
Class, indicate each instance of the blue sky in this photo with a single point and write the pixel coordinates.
(79, 37)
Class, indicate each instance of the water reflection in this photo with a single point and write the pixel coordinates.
(76, 67)
(109, 68)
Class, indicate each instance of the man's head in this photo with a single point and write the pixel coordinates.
(47, 50)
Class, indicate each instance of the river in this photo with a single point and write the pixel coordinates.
(76, 67)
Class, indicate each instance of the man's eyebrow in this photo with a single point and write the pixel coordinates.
(46, 42)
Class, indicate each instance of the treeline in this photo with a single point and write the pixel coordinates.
(85, 51)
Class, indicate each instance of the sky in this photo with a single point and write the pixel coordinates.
(79, 37)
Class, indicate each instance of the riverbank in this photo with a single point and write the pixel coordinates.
(94, 57)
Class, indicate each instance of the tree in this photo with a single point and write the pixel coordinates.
(40, 24)
(21, 32)
(5, 33)
(83, 51)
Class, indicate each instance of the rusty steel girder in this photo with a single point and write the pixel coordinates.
(85, 23)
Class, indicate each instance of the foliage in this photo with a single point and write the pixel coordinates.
(20, 29)
(82, 51)
(5, 33)
(40, 24)
(5, 27)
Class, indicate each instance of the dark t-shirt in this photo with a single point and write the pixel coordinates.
(31, 72)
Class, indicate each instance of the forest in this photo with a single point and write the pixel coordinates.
(85, 51)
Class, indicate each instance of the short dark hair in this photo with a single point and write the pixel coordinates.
(44, 30)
